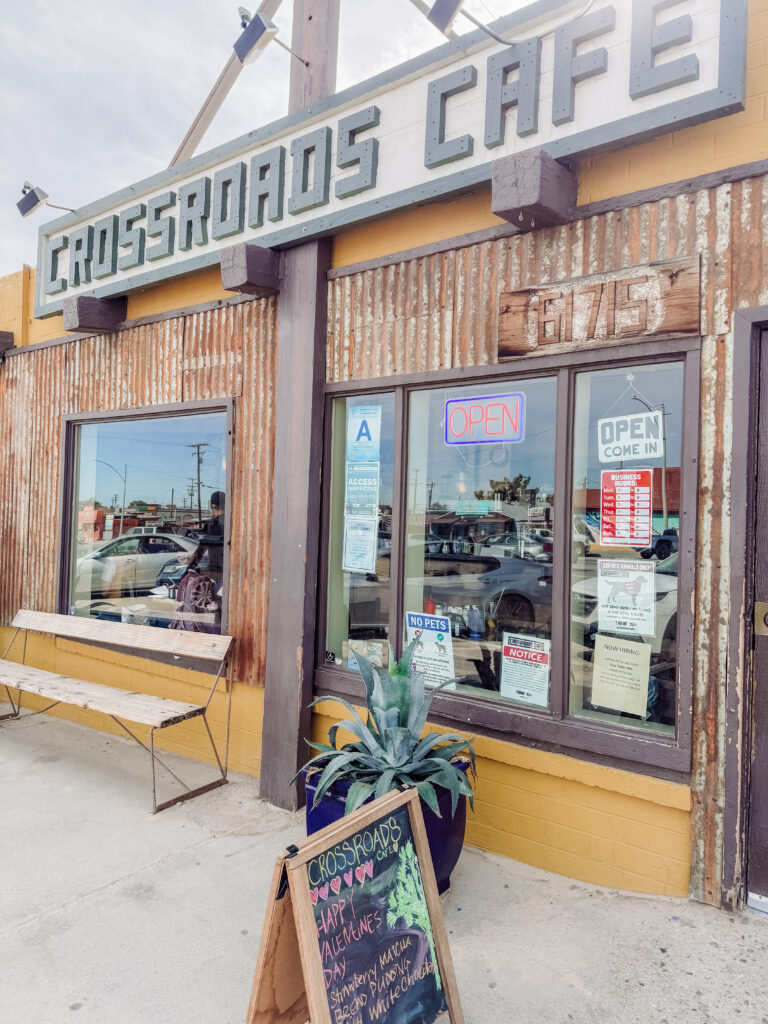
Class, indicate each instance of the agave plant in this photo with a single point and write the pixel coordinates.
(389, 751)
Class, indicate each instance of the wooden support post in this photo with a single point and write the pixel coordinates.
(532, 190)
(298, 449)
(251, 270)
(86, 313)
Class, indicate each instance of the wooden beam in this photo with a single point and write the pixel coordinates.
(251, 270)
(532, 190)
(97, 316)
(298, 447)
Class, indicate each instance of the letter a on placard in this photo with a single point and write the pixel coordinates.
(364, 432)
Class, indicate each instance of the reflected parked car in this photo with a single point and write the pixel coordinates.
(515, 593)
(522, 545)
(128, 565)
(662, 545)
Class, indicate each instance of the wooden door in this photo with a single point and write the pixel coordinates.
(757, 865)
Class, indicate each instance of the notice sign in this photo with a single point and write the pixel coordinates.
(485, 420)
(626, 438)
(625, 507)
(363, 433)
(434, 649)
(620, 675)
(360, 542)
(362, 489)
(525, 669)
(626, 597)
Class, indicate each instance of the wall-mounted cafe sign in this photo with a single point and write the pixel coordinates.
(646, 301)
(571, 84)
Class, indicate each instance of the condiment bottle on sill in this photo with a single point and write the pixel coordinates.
(429, 604)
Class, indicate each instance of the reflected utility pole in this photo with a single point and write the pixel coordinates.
(660, 408)
(124, 477)
(199, 454)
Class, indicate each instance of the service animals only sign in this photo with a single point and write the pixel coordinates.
(566, 81)
(628, 438)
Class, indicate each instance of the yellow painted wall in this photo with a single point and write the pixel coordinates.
(17, 302)
(100, 665)
(713, 146)
(585, 821)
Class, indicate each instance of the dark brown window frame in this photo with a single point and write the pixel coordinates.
(69, 424)
(552, 728)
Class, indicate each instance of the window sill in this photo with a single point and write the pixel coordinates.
(622, 748)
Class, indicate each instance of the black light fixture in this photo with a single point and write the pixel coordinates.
(33, 197)
(443, 13)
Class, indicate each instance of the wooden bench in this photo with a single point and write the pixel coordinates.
(120, 705)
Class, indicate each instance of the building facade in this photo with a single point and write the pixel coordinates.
(512, 409)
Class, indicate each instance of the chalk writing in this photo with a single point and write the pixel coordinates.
(373, 928)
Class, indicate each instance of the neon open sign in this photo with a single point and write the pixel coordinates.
(485, 420)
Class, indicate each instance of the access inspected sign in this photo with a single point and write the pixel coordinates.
(626, 438)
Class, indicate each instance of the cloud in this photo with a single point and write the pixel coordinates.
(97, 94)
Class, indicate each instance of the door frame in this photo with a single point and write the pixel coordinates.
(748, 327)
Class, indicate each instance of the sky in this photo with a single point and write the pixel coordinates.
(96, 95)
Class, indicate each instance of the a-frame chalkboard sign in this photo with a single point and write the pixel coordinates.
(354, 931)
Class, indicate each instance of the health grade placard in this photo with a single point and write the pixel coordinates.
(625, 507)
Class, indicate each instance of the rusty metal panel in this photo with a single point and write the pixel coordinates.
(204, 355)
(251, 475)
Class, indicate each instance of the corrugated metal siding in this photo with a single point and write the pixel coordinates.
(446, 306)
(205, 355)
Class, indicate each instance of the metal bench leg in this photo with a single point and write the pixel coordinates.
(199, 790)
(16, 707)
(155, 759)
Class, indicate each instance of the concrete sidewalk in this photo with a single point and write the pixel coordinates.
(110, 915)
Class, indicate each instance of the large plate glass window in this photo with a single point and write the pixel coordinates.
(360, 540)
(147, 523)
(627, 441)
(480, 497)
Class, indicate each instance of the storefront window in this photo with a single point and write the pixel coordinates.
(479, 539)
(525, 531)
(626, 504)
(360, 541)
(149, 506)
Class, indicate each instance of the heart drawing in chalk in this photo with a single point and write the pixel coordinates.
(360, 873)
(336, 885)
(369, 868)
(313, 895)
(324, 891)
(348, 877)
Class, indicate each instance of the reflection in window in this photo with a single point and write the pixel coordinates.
(360, 540)
(148, 521)
(479, 540)
(626, 508)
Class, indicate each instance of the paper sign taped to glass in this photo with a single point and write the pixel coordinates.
(361, 492)
(525, 669)
(360, 543)
(363, 433)
(620, 675)
(434, 650)
(626, 597)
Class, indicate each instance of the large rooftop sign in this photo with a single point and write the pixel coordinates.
(624, 71)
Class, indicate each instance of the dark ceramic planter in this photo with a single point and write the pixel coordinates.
(445, 834)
